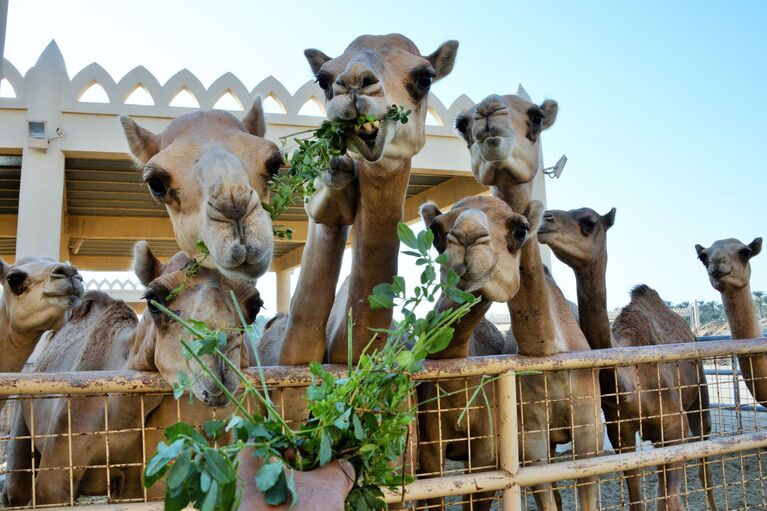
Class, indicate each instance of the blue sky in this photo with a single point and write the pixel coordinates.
(660, 102)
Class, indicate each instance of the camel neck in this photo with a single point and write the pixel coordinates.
(592, 304)
(530, 309)
(741, 314)
(17, 346)
(375, 244)
(460, 344)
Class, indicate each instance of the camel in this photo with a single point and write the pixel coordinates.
(729, 271)
(483, 239)
(674, 396)
(103, 334)
(211, 171)
(365, 189)
(503, 137)
(37, 294)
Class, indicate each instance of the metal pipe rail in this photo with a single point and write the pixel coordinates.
(510, 477)
(139, 382)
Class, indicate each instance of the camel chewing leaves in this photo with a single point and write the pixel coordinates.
(362, 417)
(311, 158)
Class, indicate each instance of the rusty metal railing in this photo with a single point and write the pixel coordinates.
(737, 440)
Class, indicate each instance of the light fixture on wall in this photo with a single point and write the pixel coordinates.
(37, 134)
(556, 170)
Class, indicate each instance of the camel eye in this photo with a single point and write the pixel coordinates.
(588, 225)
(151, 298)
(520, 233)
(324, 81)
(745, 253)
(424, 81)
(537, 121)
(157, 186)
(16, 282)
(273, 165)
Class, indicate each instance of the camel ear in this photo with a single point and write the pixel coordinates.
(534, 214)
(143, 143)
(699, 249)
(254, 121)
(443, 59)
(4, 267)
(609, 218)
(429, 211)
(316, 59)
(463, 125)
(550, 109)
(755, 246)
(146, 266)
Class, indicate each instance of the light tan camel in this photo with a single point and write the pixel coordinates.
(729, 270)
(211, 171)
(674, 397)
(483, 239)
(503, 133)
(103, 334)
(37, 294)
(366, 189)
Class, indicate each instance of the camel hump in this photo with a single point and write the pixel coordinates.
(93, 301)
(648, 320)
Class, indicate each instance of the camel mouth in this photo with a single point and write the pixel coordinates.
(495, 148)
(718, 274)
(370, 139)
(475, 282)
(70, 291)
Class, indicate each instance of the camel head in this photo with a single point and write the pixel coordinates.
(38, 292)
(503, 134)
(483, 237)
(211, 171)
(727, 263)
(577, 237)
(205, 297)
(372, 74)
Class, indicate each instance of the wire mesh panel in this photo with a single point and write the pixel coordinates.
(674, 425)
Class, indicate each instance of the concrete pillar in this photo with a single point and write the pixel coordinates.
(283, 291)
(42, 171)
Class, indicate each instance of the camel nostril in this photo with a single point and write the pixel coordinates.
(493, 141)
(460, 269)
(63, 271)
(238, 254)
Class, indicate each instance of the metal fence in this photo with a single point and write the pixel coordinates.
(482, 429)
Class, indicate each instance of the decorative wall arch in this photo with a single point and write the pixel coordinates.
(139, 76)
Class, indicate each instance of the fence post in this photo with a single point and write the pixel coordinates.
(508, 438)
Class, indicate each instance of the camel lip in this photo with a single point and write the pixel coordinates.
(371, 146)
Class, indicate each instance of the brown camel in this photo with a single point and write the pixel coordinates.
(483, 239)
(103, 334)
(365, 189)
(37, 294)
(211, 171)
(674, 396)
(503, 134)
(729, 270)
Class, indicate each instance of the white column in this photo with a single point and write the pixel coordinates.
(283, 291)
(3, 24)
(42, 171)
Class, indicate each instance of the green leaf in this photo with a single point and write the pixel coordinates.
(442, 258)
(211, 499)
(213, 428)
(406, 235)
(326, 452)
(219, 467)
(359, 431)
(268, 474)
(180, 469)
(292, 488)
(405, 359)
(205, 481)
(441, 339)
(278, 493)
(382, 297)
(181, 430)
